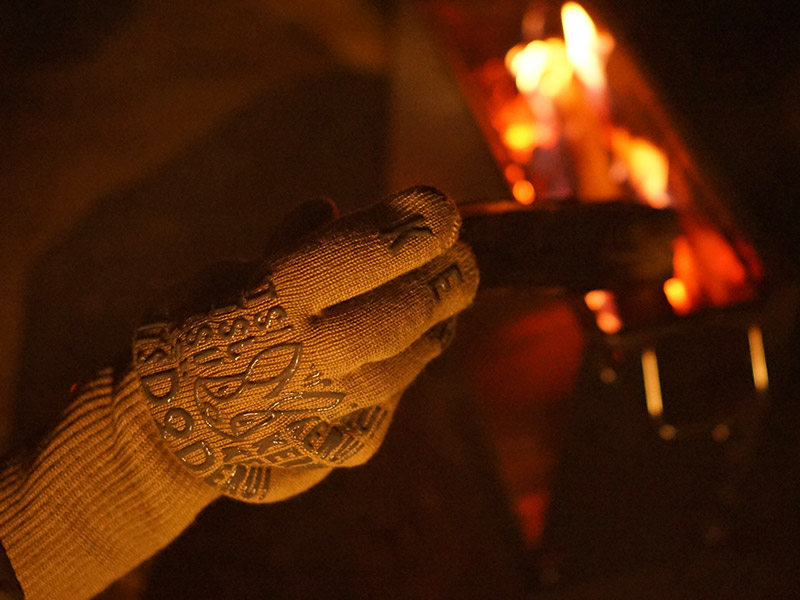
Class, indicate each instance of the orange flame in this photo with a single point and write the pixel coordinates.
(678, 295)
(709, 270)
(520, 130)
(520, 137)
(543, 71)
(586, 49)
(685, 269)
(559, 99)
(540, 66)
(645, 167)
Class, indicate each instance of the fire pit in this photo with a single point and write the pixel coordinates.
(626, 342)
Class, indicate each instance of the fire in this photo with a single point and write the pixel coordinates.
(564, 88)
(644, 166)
(677, 295)
(685, 269)
(709, 266)
(540, 66)
(571, 122)
(708, 269)
(521, 131)
(586, 49)
(564, 135)
(520, 137)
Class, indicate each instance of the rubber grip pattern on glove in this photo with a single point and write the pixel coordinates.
(305, 371)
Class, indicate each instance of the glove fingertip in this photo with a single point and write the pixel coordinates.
(439, 213)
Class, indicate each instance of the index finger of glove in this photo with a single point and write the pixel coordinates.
(388, 319)
(365, 249)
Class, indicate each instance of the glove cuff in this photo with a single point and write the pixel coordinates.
(99, 495)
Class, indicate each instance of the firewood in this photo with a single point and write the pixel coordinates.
(565, 244)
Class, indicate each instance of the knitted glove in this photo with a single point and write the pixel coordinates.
(305, 370)
(257, 400)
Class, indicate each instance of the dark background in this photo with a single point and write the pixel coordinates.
(732, 71)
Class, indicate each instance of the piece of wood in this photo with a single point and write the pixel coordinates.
(581, 247)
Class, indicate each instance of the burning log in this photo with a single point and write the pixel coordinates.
(581, 247)
(583, 133)
(564, 83)
(573, 117)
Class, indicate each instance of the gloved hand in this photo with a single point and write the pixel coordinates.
(306, 369)
(258, 400)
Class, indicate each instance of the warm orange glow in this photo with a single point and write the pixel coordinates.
(597, 299)
(604, 305)
(523, 192)
(646, 167)
(564, 100)
(532, 357)
(514, 172)
(685, 269)
(540, 66)
(724, 278)
(520, 130)
(608, 322)
(520, 137)
(585, 48)
(558, 106)
(709, 268)
(511, 55)
(677, 295)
